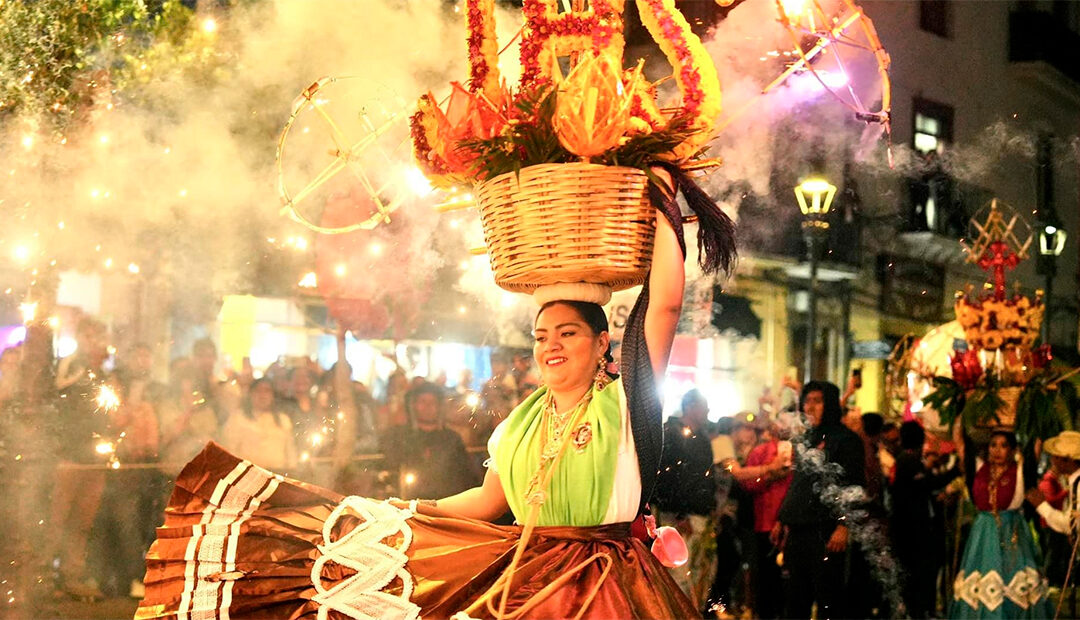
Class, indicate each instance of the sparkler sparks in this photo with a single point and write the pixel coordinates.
(28, 310)
(107, 399)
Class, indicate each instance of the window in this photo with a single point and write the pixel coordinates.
(933, 126)
(927, 134)
(934, 205)
(935, 16)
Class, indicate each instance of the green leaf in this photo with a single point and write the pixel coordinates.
(947, 399)
(982, 407)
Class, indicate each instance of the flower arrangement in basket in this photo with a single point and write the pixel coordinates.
(562, 166)
(1001, 379)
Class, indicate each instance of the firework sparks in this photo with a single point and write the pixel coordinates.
(107, 399)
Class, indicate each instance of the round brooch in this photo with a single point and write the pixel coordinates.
(582, 436)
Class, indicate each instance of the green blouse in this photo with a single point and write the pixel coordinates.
(581, 486)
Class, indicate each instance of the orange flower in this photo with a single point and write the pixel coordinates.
(592, 110)
(467, 116)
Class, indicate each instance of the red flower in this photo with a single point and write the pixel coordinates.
(966, 368)
(1041, 356)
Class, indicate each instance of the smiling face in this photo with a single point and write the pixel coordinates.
(566, 349)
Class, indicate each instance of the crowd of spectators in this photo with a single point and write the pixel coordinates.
(90, 468)
(820, 510)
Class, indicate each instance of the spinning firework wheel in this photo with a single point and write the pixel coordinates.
(830, 41)
(327, 134)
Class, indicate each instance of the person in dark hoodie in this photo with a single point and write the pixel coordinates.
(810, 531)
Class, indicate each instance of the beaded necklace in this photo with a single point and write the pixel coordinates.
(554, 443)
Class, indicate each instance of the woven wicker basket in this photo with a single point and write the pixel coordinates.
(571, 222)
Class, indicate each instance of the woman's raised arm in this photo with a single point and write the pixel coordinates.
(666, 282)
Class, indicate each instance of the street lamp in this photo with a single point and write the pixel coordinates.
(1051, 244)
(815, 196)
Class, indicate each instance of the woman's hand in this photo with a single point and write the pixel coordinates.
(778, 535)
(1034, 496)
(839, 539)
(791, 383)
(778, 467)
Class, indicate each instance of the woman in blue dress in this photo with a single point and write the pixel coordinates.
(1000, 574)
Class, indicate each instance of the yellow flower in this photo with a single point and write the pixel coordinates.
(592, 110)
(646, 116)
(992, 340)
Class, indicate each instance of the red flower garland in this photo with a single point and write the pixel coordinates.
(476, 22)
(543, 23)
(691, 78)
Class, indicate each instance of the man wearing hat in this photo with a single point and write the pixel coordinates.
(1064, 451)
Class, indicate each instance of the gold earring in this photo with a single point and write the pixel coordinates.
(602, 376)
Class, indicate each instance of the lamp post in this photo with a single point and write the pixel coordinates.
(1051, 243)
(815, 196)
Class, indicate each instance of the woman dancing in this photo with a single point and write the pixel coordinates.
(575, 462)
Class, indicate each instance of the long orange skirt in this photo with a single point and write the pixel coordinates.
(241, 542)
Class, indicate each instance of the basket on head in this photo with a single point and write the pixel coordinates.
(1006, 413)
(574, 222)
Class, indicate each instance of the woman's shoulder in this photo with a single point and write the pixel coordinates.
(614, 388)
(759, 454)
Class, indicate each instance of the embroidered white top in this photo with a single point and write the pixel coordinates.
(1062, 520)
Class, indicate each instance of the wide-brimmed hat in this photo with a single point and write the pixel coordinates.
(1066, 444)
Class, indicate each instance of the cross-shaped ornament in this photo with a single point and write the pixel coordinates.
(998, 258)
